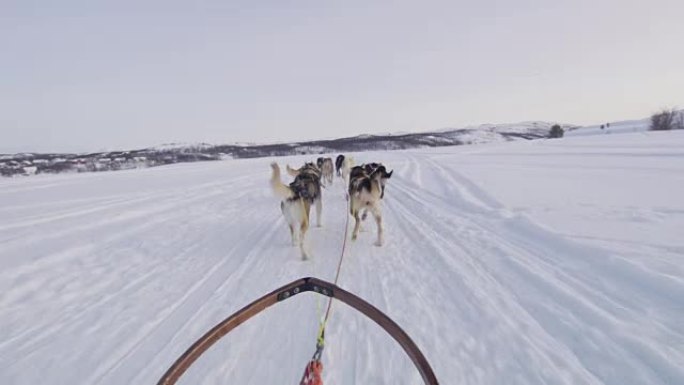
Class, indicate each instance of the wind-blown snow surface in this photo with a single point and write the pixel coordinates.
(623, 127)
(541, 262)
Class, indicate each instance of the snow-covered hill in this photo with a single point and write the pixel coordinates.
(30, 163)
(531, 262)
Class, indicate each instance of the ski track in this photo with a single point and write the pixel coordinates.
(189, 304)
(533, 266)
(481, 288)
(109, 287)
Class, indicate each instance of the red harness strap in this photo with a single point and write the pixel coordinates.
(313, 373)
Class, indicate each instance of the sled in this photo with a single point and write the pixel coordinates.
(300, 286)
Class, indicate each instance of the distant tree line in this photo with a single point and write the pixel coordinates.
(667, 119)
(556, 131)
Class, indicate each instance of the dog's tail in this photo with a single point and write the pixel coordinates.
(292, 171)
(279, 188)
(350, 163)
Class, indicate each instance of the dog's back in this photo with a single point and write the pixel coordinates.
(307, 185)
(370, 167)
(358, 180)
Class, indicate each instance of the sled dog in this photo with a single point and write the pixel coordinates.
(297, 198)
(366, 190)
(327, 170)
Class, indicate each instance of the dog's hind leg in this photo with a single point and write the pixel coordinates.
(304, 226)
(292, 234)
(319, 210)
(378, 220)
(363, 214)
(302, 247)
(355, 213)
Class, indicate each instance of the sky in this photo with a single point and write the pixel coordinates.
(93, 75)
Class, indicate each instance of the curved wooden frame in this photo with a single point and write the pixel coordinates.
(299, 286)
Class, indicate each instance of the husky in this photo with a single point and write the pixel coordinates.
(310, 169)
(296, 200)
(327, 169)
(366, 190)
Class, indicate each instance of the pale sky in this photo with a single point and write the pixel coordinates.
(90, 75)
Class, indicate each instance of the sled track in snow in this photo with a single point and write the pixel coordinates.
(118, 274)
(192, 302)
(505, 252)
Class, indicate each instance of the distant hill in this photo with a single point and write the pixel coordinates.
(42, 163)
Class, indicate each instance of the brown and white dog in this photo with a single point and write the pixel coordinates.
(297, 198)
(327, 170)
(366, 190)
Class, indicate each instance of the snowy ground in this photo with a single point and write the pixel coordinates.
(542, 262)
(622, 127)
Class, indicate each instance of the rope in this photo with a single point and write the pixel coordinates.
(314, 369)
(321, 334)
(339, 264)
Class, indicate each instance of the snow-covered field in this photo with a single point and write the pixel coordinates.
(531, 262)
(622, 127)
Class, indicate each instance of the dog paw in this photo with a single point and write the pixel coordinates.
(378, 243)
(354, 237)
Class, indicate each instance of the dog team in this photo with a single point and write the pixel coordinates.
(366, 188)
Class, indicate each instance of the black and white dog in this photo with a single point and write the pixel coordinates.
(297, 198)
(366, 190)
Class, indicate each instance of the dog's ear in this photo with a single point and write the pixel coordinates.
(381, 172)
(292, 171)
(377, 173)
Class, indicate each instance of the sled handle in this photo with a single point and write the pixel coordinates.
(291, 289)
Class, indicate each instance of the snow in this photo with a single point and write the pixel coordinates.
(627, 126)
(528, 262)
(480, 136)
(182, 146)
(30, 170)
(313, 150)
